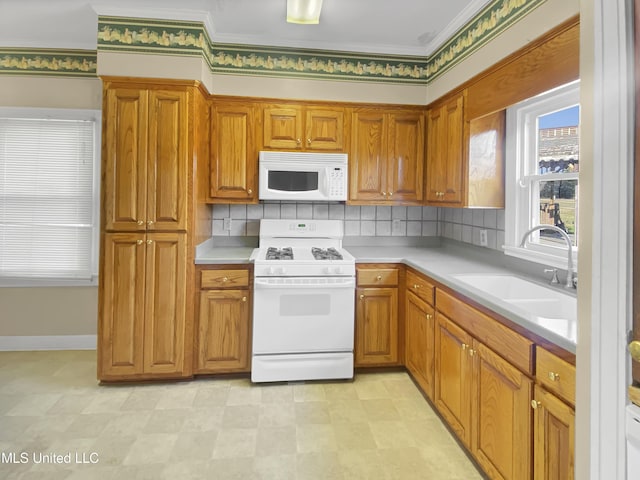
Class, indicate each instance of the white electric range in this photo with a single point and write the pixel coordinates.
(303, 308)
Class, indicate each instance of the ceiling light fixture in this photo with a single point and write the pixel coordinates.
(304, 11)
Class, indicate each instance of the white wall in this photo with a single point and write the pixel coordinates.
(41, 311)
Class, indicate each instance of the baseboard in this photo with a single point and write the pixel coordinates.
(48, 342)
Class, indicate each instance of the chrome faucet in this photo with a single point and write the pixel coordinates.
(570, 283)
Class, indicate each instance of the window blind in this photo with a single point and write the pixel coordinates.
(47, 198)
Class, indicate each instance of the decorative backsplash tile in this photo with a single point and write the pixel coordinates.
(464, 225)
(364, 221)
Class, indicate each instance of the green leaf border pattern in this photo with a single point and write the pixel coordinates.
(486, 25)
(167, 37)
(29, 61)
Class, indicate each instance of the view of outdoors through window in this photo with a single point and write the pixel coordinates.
(556, 189)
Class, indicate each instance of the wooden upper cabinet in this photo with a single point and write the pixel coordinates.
(146, 159)
(168, 157)
(282, 127)
(234, 158)
(324, 128)
(306, 128)
(125, 159)
(445, 156)
(386, 163)
(405, 171)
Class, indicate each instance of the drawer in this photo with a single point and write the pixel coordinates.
(510, 345)
(420, 286)
(224, 279)
(556, 375)
(375, 277)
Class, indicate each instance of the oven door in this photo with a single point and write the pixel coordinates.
(303, 314)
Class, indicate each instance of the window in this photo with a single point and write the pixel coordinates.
(49, 174)
(542, 175)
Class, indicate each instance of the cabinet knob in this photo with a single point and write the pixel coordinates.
(140, 222)
(464, 346)
(244, 299)
(472, 352)
(554, 377)
(361, 297)
(139, 242)
(308, 141)
(225, 279)
(429, 316)
(535, 404)
(379, 277)
(149, 242)
(150, 222)
(298, 141)
(416, 286)
(250, 192)
(384, 194)
(390, 194)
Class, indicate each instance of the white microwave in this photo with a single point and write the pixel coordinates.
(302, 176)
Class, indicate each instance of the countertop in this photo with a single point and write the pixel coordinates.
(442, 264)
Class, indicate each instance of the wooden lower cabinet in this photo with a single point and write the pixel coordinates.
(223, 334)
(419, 342)
(554, 433)
(376, 326)
(500, 408)
(453, 370)
(485, 400)
(143, 320)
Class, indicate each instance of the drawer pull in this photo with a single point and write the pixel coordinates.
(535, 404)
(225, 279)
(554, 377)
(379, 277)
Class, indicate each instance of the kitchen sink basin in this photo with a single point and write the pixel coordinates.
(532, 299)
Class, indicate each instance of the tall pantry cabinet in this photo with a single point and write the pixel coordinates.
(145, 319)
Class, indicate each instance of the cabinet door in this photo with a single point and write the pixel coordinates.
(125, 159)
(453, 376)
(554, 431)
(419, 342)
(324, 129)
(405, 173)
(282, 127)
(168, 160)
(223, 331)
(501, 436)
(376, 326)
(234, 158)
(454, 150)
(121, 324)
(368, 160)
(165, 304)
(445, 152)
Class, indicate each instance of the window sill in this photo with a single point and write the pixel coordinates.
(14, 282)
(535, 256)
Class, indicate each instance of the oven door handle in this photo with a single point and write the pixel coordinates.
(348, 282)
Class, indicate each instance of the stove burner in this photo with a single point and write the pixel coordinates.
(274, 253)
(325, 253)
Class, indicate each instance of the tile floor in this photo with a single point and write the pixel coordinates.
(376, 427)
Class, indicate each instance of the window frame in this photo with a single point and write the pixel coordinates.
(67, 114)
(520, 150)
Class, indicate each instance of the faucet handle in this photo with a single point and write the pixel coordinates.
(554, 277)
